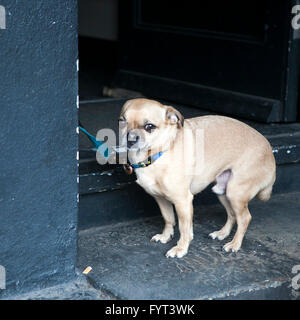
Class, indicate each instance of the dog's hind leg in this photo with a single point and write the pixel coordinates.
(225, 231)
(167, 212)
(243, 218)
(239, 195)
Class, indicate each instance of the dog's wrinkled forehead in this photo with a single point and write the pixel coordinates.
(138, 112)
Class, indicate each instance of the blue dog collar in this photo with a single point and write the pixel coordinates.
(147, 163)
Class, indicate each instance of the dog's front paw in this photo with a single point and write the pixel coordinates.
(160, 237)
(233, 246)
(176, 252)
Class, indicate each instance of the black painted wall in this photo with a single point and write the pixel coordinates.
(38, 142)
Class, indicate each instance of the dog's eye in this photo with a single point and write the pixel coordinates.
(149, 127)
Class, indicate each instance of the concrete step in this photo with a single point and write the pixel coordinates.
(126, 265)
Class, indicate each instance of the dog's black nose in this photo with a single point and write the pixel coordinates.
(132, 138)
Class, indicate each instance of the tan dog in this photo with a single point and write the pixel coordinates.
(197, 152)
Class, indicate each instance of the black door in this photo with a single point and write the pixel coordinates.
(234, 57)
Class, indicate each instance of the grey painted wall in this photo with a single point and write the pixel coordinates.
(38, 142)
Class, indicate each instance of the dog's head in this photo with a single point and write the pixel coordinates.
(148, 125)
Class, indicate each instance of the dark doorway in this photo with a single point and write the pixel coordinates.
(229, 57)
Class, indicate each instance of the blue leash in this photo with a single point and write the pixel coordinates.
(99, 146)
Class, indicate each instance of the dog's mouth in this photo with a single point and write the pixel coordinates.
(134, 148)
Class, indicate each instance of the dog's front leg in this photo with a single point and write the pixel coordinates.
(167, 212)
(184, 209)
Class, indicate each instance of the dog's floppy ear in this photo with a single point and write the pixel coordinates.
(173, 116)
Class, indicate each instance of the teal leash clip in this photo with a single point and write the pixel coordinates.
(99, 146)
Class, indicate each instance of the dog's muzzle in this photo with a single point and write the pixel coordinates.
(132, 138)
